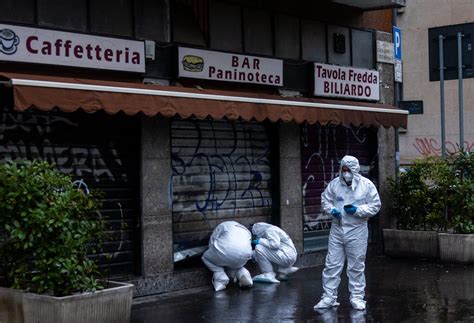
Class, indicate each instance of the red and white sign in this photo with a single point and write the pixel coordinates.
(33, 45)
(209, 65)
(346, 82)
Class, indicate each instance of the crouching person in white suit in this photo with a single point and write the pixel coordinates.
(273, 247)
(229, 250)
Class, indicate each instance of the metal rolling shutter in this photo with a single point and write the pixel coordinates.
(322, 149)
(221, 171)
(97, 149)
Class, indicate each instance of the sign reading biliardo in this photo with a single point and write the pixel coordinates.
(346, 82)
(44, 46)
(210, 65)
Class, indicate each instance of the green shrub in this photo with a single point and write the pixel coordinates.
(461, 197)
(436, 194)
(49, 227)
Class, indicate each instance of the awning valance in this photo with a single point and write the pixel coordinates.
(69, 94)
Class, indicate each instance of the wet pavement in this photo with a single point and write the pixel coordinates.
(397, 291)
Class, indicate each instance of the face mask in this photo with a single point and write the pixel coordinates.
(348, 176)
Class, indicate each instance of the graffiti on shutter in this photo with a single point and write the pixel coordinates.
(221, 171)
(322, 149)
(76, 143)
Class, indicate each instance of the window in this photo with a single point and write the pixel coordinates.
(450, 52)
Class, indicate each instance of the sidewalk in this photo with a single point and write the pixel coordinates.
(397, 291)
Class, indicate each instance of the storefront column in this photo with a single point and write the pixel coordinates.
(291, 200)
(387, 165)
(157, 239)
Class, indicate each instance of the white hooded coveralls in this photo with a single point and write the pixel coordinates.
(348, 236)
(275, 246)
(229, 249)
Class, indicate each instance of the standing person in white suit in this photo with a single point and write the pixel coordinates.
(273, 247)
(351, 199)
(229, 250)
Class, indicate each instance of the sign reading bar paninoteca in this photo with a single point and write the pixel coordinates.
(44, 46)
(346, 82)
(209, 65)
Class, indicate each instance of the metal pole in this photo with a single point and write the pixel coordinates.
(461, 96)
(396, 101)
(441, 95)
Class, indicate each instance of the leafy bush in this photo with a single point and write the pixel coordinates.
(436, 194)
(49, 227)
(461, 197)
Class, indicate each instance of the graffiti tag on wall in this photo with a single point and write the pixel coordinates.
(34, 136)
(221, 170)
(216, 169)
(427, 146)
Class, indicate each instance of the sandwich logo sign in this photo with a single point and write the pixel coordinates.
(192, 63)
(44, 46)
(209, 65)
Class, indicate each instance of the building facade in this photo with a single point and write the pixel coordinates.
(420, 43)
(190, 113)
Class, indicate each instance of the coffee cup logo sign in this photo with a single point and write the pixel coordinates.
(346, 82)
(209, 65)
(8, 41)
(33, 45)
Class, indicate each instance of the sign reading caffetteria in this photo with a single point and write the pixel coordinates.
(346, 82)
(209, 65)
(44, 46)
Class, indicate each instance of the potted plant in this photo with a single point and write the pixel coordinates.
(457, 243)
(48, 229)
(418, 204)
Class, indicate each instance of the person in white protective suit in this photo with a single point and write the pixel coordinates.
(351, 199)
(229, 250)
(273, 247)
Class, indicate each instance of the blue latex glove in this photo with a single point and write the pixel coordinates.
(335, 213)
(255, 242)
(351, 209)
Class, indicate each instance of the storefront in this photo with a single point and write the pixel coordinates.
(222, 170)
(323, 146)
(176, 161)
(75, 143)
(62, 133)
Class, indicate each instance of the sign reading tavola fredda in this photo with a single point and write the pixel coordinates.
(210, 65)
(44, 46)
(346, 82)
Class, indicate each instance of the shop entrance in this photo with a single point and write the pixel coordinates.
(322, 148)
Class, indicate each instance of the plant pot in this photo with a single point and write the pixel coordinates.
(11, 305)
(109, 305)
(411, 243)
(456, 248)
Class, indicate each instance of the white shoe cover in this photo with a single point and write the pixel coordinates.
(288, 270)
(218, 286)
(358, 304)
(282, 277)
(284, 272)
(326, 302)
(220, 281)
(266, 278)
(244, 277)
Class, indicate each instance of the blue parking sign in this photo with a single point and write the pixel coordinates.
(397, 42)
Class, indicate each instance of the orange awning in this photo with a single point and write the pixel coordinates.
(69, 94)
